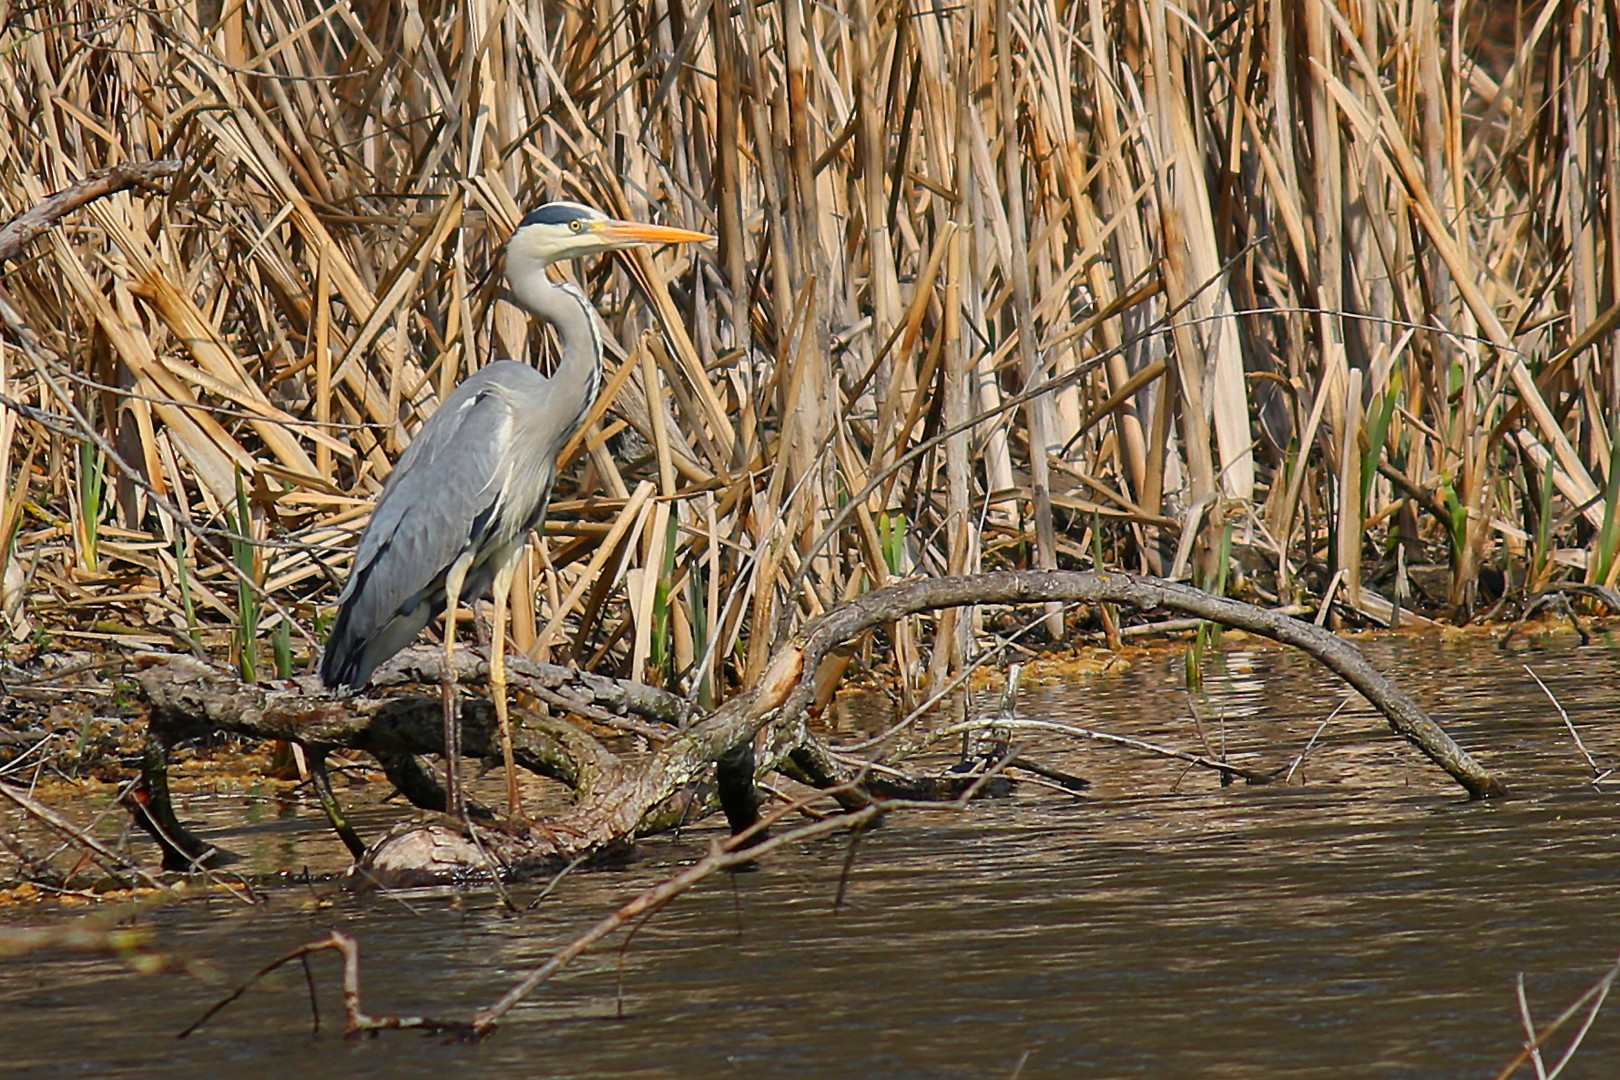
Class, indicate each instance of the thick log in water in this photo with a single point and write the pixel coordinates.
(614, 803)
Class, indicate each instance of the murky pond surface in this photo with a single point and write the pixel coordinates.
(1362, 921)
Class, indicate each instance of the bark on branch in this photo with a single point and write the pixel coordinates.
(16, 233)
(190, 699)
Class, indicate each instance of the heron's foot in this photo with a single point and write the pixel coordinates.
(532, 826)
(514, 806)
(516, 823)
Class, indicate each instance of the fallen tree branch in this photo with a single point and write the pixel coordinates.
(615, 803)
(882, 606)
(191, 699)
(424, 665)
(16, 233)
(787, 691)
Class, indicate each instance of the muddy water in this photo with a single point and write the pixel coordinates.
(1362, 921)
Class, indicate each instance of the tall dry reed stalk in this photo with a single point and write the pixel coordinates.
(1330, 286)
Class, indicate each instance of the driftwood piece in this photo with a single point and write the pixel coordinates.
(615, 802)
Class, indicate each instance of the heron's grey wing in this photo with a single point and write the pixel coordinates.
(438, 500)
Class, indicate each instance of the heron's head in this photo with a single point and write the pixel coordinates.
(567, 230)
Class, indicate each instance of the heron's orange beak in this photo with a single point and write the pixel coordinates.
(634, 232)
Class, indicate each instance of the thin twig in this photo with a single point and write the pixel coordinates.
(1590, 1000)
(1598, 774)
(109, 859)
(1195, 760)
(1300, 760)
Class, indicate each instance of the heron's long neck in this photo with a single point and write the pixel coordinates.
(579, 374)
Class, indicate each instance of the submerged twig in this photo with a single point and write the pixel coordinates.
(356, 1019)
(1200, 761)
(1590, 1001)
(1598, 774)
(1300, 760)
(109, 860)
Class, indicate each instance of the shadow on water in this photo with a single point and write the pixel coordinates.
(1364, 922)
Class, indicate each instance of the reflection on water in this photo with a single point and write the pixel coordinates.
(1366, 922)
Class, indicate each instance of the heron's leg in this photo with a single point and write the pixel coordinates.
(497, 685)
(455, 801)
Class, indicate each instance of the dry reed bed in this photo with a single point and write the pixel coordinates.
(1275, 287)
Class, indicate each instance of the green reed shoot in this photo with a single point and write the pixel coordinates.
(1541, 557)
(661, 655)
(1459, 518)
(244, 642)
(92, 487)
(1379, 414)
(1609, 534)
(892, 538)
(281, 649)
(183, 576)
(697, 583)
(1215, 582)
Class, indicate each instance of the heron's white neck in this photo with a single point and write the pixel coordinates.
(579, 372)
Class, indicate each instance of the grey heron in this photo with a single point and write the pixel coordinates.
(457, 509)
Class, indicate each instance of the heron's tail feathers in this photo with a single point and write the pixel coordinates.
(353, 652)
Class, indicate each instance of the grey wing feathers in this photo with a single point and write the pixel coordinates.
(444, 492)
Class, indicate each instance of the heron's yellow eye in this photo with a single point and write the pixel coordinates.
(576, 225)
